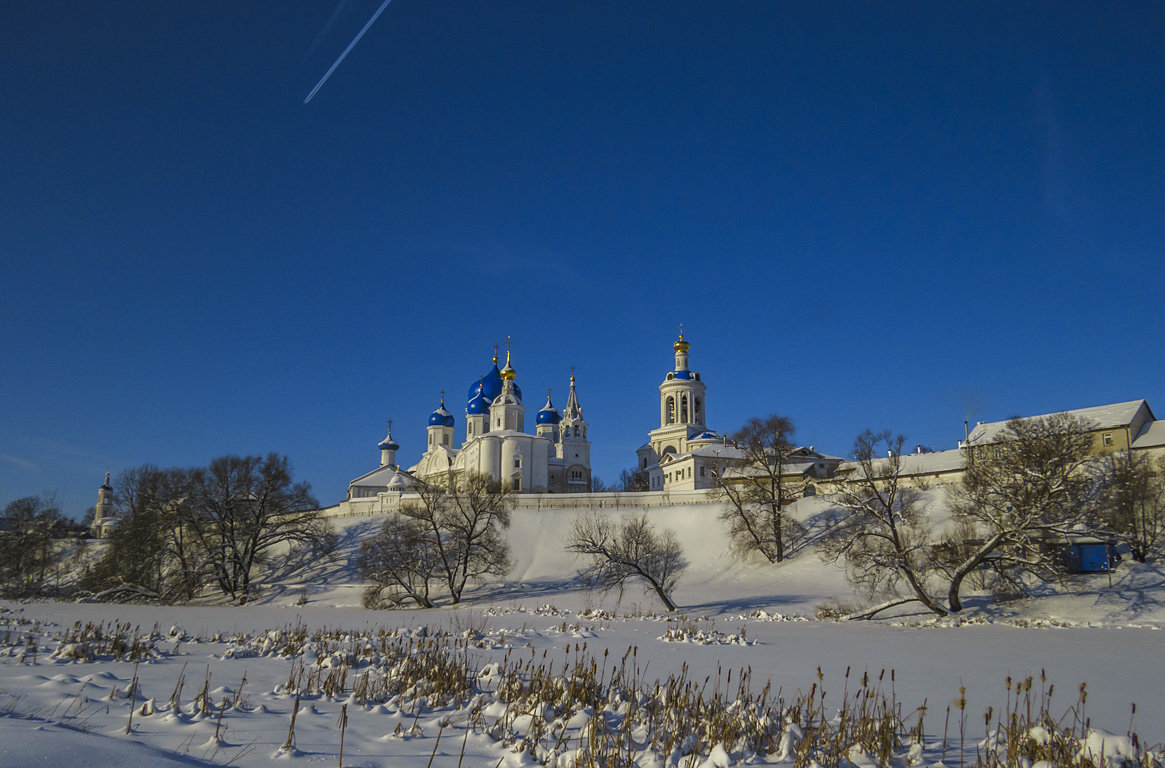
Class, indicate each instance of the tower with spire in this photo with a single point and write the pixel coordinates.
(104, 517)
(506, 413)
(681, 451)
(388, 448)
(574, 448)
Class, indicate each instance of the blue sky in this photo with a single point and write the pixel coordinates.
(864, 216)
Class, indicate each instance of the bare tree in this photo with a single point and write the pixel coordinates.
(632, 549)
(242, 508)
(1132, 502)
(28, 545)
(152, 553)
(883, 537)
(756, 490)
(463, 517)
(1022, 494)
(632, 480)
(401, 558)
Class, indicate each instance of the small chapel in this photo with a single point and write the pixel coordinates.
(556, 458)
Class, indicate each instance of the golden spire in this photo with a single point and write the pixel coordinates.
(681, 345)
(508, 373)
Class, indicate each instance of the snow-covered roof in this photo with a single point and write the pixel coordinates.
(933, 463)
(378, 477)
(718, 450)
(1101, 416)
(1151, 436)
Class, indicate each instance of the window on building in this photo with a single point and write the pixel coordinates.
(445, 439)
(1108, 438)
(517, 462)
(702, 471)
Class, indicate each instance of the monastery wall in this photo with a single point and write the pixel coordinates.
(385, 503)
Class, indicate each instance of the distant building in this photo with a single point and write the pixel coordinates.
(104, 517)
(1127, 426)
(1115, 427)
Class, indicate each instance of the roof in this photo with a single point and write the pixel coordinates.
(378, 477)
(1101, 416)
(1152, 435)
(932, 463)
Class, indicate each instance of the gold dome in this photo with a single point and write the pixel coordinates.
(508, 373)
(681, 345)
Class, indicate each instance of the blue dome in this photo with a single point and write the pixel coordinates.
(441, 418)
(683, 374)
(548, 414)
(388, 444)
(477, 405)
(488, 386)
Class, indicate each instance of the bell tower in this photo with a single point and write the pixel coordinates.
(574, 447)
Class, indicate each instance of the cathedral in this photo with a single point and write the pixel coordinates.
(555, 459)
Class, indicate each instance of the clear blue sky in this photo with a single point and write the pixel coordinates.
(865, 216)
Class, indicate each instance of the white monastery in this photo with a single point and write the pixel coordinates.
(555, 459)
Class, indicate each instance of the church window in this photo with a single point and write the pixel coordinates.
(684, 415)
(671, 410)
(517, 462)
(445, 439)
(699, 407)
(702, 471)
(576, 430)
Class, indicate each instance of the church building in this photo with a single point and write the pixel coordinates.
(555, 459)
(683, 454)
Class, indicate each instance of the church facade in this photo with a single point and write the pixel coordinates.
(556, 458)
(683, 454)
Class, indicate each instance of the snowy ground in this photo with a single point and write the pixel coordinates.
(62, 712)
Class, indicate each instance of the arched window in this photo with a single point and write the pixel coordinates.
(699, 416)
(670, 409)
(576, 430)
(685, 415)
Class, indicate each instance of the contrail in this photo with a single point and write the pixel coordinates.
(351, 45)
(323, 32)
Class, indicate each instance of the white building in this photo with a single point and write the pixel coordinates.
(555, 459)
(104, 517)
(683, 454)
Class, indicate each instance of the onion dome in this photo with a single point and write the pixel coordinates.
(681, 345)
(508, 373)
(549, 414)
(477, 404)
(388, 444)
(441, 417)
(488, 386)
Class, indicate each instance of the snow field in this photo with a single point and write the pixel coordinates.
(70, 702)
